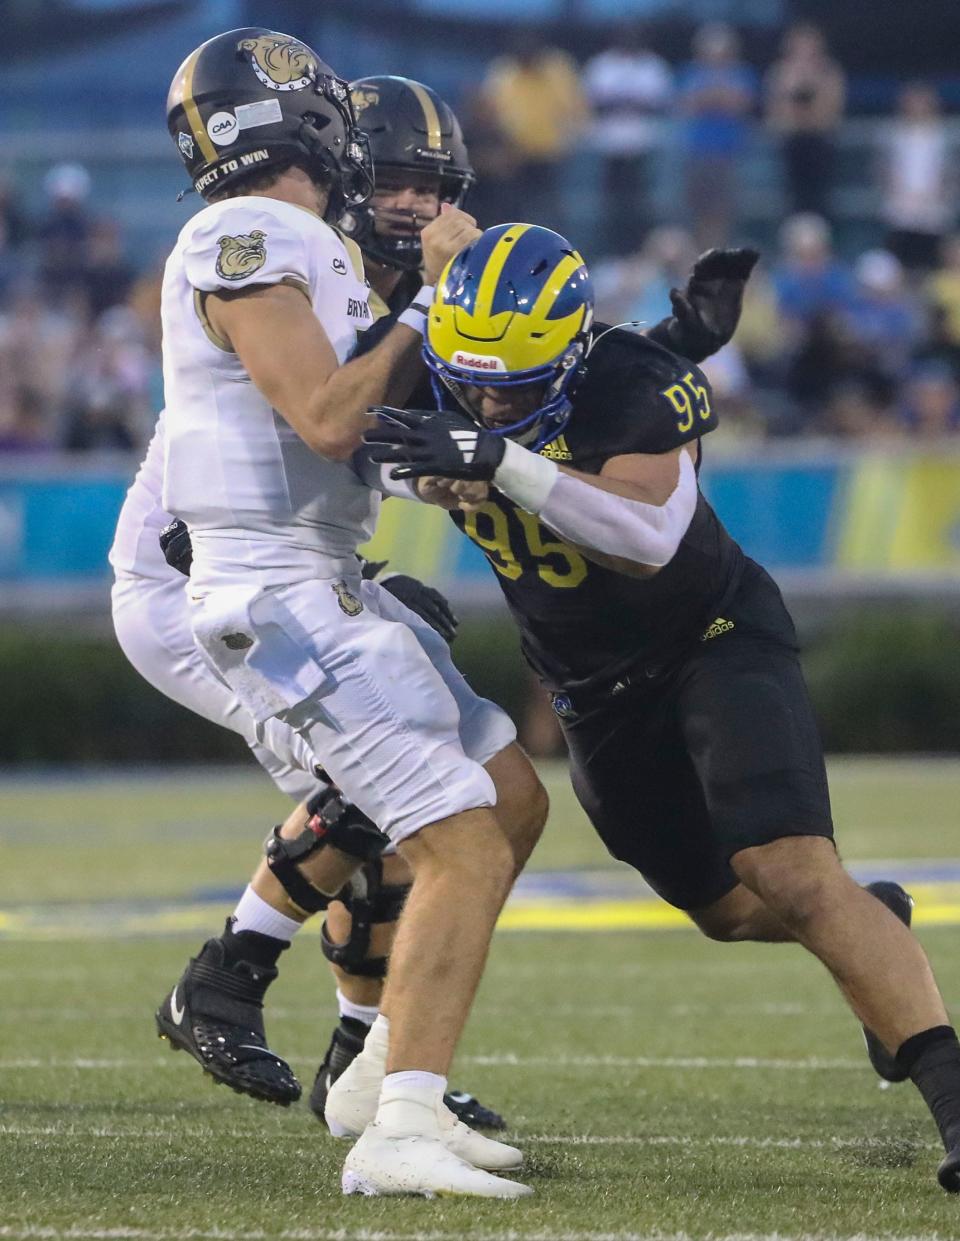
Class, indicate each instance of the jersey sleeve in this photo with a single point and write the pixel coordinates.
(246, 246)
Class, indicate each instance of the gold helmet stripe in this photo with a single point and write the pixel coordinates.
(430, 115)
(551, 290)
(494, 266)
(208, 150)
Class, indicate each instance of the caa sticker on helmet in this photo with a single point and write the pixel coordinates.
(223, 128)
(281, 63)
(242, 255)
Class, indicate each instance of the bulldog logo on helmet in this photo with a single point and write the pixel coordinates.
(281, 63)
(242, 255)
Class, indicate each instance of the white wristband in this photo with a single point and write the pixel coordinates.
(525, 477)
(415, 315)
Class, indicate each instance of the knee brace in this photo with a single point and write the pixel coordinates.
(370, 901)
(332, 821)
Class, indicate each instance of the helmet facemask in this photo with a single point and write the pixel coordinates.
(544, 424)
(416, 140)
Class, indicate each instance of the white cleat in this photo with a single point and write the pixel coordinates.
(379, 1164)
(352, 1105)
(353, 1098)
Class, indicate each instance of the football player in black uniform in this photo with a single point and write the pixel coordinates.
(669, 654)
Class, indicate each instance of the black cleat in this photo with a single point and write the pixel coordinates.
(345, 1046)
(900, 903)
(466, 1108)
(215, 1013)
(347, 1043)
(948, 1174)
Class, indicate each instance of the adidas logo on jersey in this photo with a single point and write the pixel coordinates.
(718, 627)
(557, 450)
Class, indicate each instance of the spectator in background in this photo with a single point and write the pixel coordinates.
(917, 179)
(538, 105)
(637, 288)
(630, 88)
(493, 158)
(883, 314)
(24, 424)
(37, 345)
(65, 230)
(930, 407)
(109, 399)
(107, 277)
(805, 93)
(11, 263)
(808, 278)
(12, 218)
(716, 93)
(944, 289)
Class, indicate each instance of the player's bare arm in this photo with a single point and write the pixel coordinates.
(284, 348)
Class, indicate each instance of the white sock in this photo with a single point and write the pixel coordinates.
(254, 914)
(377, 1042)
(359, 1012)
(410, 1104)
(412, 1079)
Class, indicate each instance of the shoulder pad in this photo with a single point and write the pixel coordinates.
(651, 399)
(238, 244)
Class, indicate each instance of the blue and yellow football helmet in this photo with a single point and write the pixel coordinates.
(514, 307)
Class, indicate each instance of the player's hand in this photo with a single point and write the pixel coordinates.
(707, 311)
(429, 604)
(452, 493)
(176, 546)
(419, 443)
(445, 237)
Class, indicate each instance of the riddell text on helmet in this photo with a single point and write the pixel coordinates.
(478, 362)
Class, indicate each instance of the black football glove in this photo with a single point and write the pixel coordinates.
(176, 546)
(425, 601)
(707, 311)
(419, 443)
(428, 603)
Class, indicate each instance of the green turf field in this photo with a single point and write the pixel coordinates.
(659, 1084)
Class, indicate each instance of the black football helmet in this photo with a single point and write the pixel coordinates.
(410, 129)
(252, 98)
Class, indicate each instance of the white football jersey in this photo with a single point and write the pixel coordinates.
(136, 543)
(261, 506)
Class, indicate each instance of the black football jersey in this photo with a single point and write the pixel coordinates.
(584, 625)
(408, 286)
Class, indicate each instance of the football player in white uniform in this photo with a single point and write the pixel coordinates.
(412, 130)
(261, 304)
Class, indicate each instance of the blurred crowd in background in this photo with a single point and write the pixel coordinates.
(835, 341)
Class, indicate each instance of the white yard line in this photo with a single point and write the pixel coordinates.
(508, 1060)
(502, 1060)
(736, 1141)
